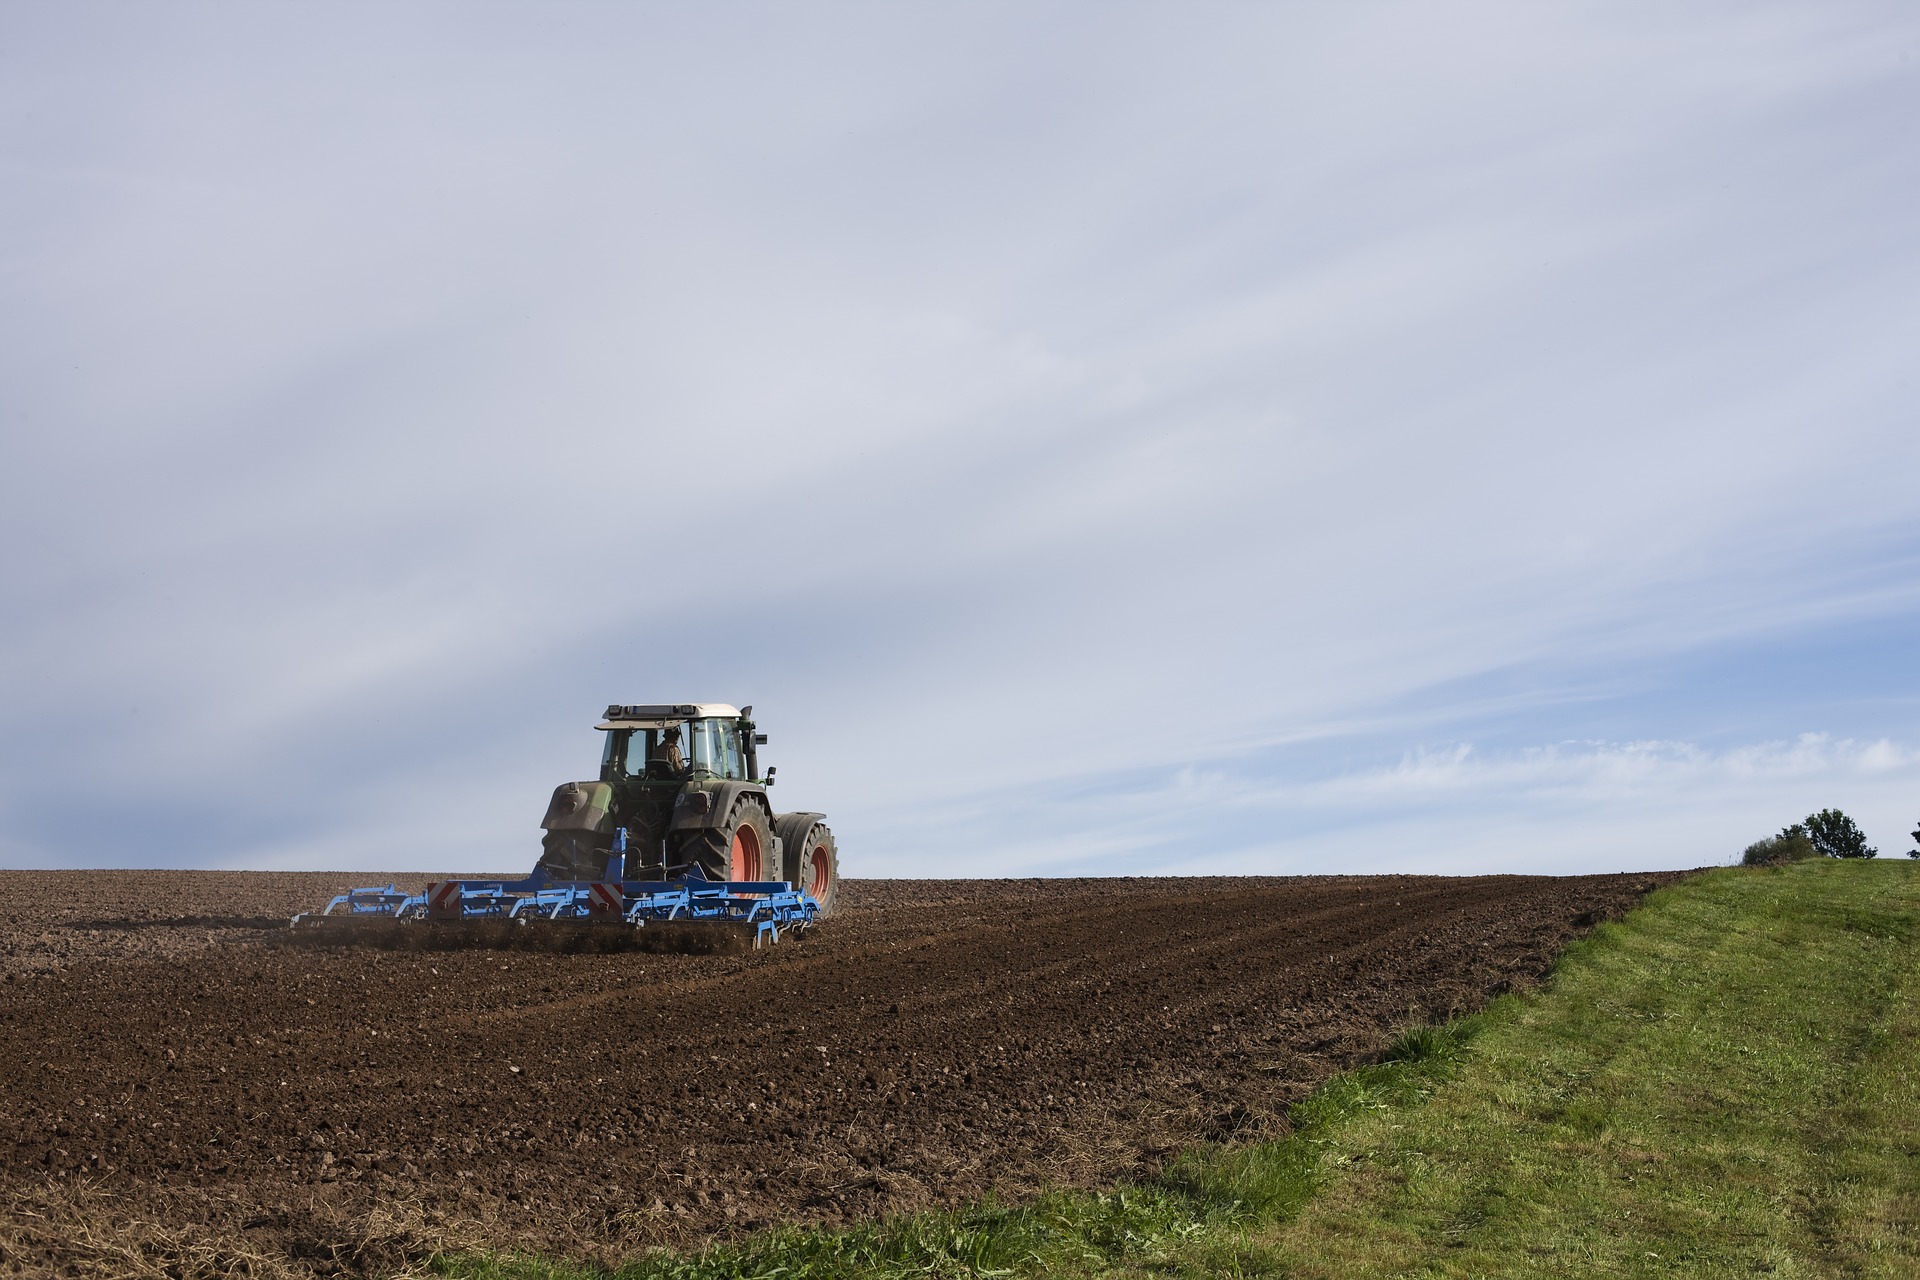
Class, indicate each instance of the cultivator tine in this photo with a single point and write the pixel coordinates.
(560, 903)
(655, 902)
(389, 902)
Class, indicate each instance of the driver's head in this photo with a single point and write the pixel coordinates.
(673, 733)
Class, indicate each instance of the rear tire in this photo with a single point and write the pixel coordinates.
(737, 849)
(574, 855)
(812, 859)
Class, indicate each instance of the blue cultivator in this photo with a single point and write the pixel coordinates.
(763, 906)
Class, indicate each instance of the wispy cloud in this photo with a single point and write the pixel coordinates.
(1611, 770)
(1556, 807)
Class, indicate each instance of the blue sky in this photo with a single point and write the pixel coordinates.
(1097, 438)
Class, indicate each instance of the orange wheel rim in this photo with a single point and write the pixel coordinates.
(743, 860)
(815, 871)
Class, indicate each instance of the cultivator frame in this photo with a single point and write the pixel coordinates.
(765, 906)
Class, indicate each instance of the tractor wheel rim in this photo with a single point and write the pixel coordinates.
(816, 869)
(743, 860)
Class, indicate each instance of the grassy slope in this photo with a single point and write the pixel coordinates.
(1727, 1083)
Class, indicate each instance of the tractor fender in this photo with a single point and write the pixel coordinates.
(578, 806)
(707, 804)
(790, 829)
(795, 824)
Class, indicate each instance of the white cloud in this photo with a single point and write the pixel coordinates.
(1614, 771)
(1556, 808)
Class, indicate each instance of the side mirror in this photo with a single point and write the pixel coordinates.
(759, 739)
(770, 769)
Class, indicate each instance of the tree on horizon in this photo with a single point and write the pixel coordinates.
(1838, 836)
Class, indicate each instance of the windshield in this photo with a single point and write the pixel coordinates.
(716, 749)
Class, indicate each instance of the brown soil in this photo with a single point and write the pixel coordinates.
(177, 1089)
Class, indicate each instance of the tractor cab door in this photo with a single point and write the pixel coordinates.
(714, 749)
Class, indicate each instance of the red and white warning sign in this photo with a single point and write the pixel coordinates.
(604, 900)
(443, 900)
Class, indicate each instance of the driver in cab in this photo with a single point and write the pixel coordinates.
(667, 753)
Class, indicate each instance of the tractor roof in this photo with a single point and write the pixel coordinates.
(655, 715)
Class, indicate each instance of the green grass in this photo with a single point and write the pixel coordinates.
(1727, 1083)
(1724, 1085)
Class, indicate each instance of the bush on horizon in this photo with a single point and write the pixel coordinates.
(1793, 844)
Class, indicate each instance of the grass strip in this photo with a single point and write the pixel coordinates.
(1725, 1083)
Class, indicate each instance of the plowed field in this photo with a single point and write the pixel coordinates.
(171, 1081)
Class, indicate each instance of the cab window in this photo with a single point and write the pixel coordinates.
(716, 749)
(628, 751)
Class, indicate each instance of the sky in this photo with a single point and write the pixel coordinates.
(1097, 438)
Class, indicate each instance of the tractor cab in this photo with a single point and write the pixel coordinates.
(678, 744)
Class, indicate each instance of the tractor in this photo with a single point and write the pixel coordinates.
(681, 795)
